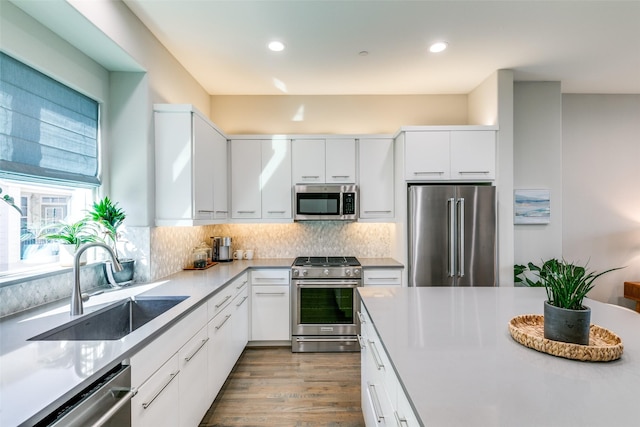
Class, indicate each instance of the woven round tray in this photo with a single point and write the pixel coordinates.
(604, 345)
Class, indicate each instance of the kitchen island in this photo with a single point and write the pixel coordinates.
(456, 362)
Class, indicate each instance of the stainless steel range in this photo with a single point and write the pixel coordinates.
(324, 304)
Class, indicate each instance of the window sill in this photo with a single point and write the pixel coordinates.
(38, 273)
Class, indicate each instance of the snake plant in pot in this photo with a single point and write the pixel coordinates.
(110, 218)
(566, 318)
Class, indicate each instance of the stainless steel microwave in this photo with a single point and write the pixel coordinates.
(325, 202)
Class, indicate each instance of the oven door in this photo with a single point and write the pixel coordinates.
(325, 307)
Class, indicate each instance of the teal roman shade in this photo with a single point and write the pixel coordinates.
(48, 131)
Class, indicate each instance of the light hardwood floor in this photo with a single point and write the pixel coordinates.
(274, 387)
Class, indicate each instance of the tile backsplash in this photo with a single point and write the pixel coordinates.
(162, 251)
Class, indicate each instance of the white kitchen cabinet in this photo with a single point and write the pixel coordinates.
(220, 343)
(156, 371)
(240, 324)
(383, 400)
(376, 175)
(450, 155)
(193, 385)
(261, 179)
(156, 402)
(340, 161)
(320, 161)
(246, 164)
(270, 305)
(191, 167)
(382, 277)
(275, 179)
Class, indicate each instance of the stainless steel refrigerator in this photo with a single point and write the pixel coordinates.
(452, 235)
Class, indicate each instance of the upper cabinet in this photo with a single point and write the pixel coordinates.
(320, 161)
(456, 155)
(191, 167)
(261, 179)
(375, 156)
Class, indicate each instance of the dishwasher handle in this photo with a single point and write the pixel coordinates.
(122, 401)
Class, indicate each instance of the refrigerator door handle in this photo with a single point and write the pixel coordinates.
(452, 237)
(461, 237)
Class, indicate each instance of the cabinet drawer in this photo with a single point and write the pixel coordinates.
(239, 284)
(156, 402)
(270, 277)
(145, 362)
(382, 277)
(219, 301)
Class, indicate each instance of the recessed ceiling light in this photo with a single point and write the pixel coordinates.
(438, 47)
(276, 46)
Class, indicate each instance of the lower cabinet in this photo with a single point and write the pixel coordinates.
(270, 305)
(384, 403)
(382, 277)
(155, 403)
(193, 385)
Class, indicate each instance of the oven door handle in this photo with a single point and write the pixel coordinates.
(327, 339)
(325, 284)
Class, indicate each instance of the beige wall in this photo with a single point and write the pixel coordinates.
(341, 114)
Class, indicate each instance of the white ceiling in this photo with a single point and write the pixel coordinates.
(591, 47)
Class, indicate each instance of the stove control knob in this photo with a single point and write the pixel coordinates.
(347, 272)
(356, 271)
(295, 272)
(304, 273)
(326, 272)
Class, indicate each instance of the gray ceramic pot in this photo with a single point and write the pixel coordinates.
(562, 324)
(121, 277)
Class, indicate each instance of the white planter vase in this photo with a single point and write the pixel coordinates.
(66, 253)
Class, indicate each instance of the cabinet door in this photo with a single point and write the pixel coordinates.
(308, 161)
(157, 400)
(473, 155)
(193, 383)
(220, 168)
(427, 156)
(240, 325)
(203, 154)
(340, 163)
(270, 313)
(276, 178)
(246, 164)
(376, 178)
(220, 355)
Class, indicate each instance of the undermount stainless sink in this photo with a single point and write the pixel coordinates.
(114, 321)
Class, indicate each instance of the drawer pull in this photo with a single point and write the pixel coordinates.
(242, 302)
(401, 421)
(375, 402)
(193, 354)
(310, 176)
(429, 173)
(361, 317)
(172, 376)
(241, 285)
(378, 212)
(223, 322)
(376, 355)
(271, 293)
(473, 172)
(361, 341)
(223, 301)
(245, 212)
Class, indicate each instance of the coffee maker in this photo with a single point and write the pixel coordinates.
(221, 249)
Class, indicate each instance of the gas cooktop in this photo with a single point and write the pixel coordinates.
(326, 261)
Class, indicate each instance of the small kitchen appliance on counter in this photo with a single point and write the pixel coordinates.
(324, 304)
(221, 248)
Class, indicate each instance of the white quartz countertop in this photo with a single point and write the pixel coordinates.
(459, 366)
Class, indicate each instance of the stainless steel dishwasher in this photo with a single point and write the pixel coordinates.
(106, 402)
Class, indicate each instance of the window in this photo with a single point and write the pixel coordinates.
(48, 161)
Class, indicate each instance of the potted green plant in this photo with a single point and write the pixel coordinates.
(566, 318)
(69, 237)
(10, 201)
(110, 217)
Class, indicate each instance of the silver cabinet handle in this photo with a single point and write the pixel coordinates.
(193, 353)
(376, 355)
(205, 211)
(245, 212)
(361, 341)
(223, 301)
(242, 302)
(223, 322)
(275, 212)
(377, 211)
(271, 293)
(401, 421)
(340, 176)
(383, 278)
(375, 401)
(310, 176)
(361, 317)
(115, 408)
(224, 212)
(172, 376)
(241, 285)
(473, 172)
(270, 278)
(461, 237)
(429, 173)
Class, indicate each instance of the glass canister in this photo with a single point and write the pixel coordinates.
(199, 257)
